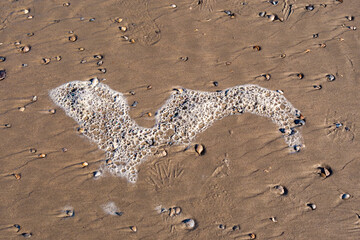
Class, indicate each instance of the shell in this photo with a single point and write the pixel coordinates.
(222, 226)
(85, 164)
(66, 4)
(330, 77)
(273, 219)
(26, 235)
(345, 196)
(350, 18)
(34, 98)
(262, 14)
(98, 56)
(17, 226)
(236, 227)
(316, 35)
(281, 190)
(52, 111)
(7, 125)
(173, 6)
(133, 229)
(132, 40)
(149, 87)
(17, 176)
(312, 206)
(42, 155)
(171, 212)
(283, 55)
(81, 130)
(324, 171)
(58, 58)
(2, 59)
(188, 224)
(32, 150)
(177, 210)
(21, 109)
(2, 74)
(103, 70)
(266, 77)
(123, 29)
(30, 34)
(118, 20)
(81, 49)
(30, 17)
(256, 48)
(100, 63)
(300, 75)
(317, 87)
(25, 49)
(199, 149)
(45, 61)
(97, 174)
(252, 235)
(94, 82)
(73, 38)
(309, 7)
(322, 45)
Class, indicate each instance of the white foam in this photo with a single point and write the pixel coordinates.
(104, 115)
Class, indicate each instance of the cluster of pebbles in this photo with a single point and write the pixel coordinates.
(103, 116)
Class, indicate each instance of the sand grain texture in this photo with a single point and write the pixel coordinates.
(233, 182)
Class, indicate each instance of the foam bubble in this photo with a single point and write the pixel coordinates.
(104, 115)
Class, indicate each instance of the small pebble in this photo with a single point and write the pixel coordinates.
(273, 219)
(322, 45)
(215, 84)
(2, 59)
(252, 235)
(91, 19)
(81, 49)
(24, 65)
(317, 87)
(85, 164)
(149, 87)
(66, 4)
(283, 55)
(2, 74)
(99, 63)
(64, 149)
(25, 11)
(21, 109)
(34, 98)
(42, 155)
(315, 35)
(58, 58)
(350, 18)
(30, 34)
(7, 125)
(30, 17)
(83, 61)
(123, 29)
(132, 92)
(52, 111)
(173, 6)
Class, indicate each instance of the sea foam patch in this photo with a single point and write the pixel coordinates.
(103, 114)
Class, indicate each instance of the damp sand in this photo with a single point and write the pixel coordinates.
(235, 181)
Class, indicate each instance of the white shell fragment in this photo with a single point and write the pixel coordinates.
(188, 224)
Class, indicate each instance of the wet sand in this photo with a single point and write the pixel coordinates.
(230, 191)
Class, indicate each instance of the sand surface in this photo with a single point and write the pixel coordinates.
(229, 191)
